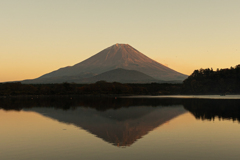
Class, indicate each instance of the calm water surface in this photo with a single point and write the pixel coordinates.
(140, 128)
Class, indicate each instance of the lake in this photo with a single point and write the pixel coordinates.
(134, 128)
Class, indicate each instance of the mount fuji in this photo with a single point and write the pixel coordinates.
(118, 56)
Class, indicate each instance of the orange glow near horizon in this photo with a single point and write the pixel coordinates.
(38, 37)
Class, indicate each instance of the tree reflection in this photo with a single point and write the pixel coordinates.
(206, 109)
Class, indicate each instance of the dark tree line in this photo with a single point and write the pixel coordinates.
(98, 88)
(207, 81)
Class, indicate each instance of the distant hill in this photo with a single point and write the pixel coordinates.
(122, 76)
(114, 57)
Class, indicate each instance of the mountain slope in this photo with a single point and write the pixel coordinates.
(117, 56)
(59, 79)
(116, 75)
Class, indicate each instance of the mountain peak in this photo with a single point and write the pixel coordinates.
(121, 55)
(120, 46)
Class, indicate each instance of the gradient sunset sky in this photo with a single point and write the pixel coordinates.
(39, 36)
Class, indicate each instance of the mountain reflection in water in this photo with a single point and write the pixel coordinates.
(121, 127)
(122, 121)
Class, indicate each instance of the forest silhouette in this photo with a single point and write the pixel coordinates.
(207, 81)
